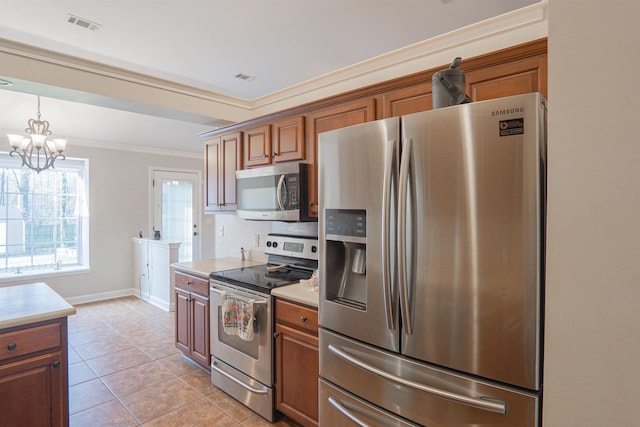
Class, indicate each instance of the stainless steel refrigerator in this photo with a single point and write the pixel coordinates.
(431, 230)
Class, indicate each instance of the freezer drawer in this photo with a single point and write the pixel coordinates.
(424, 394)
(340, 408)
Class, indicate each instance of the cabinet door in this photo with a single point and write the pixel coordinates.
(512, 78)
(231, 162)
(407, 100)
(30, 392)
(183, 320)
(288, 139)
(223, 157)
(212, 158)
(257, 146)
(297, 372)
(200, 351)
(339, 116)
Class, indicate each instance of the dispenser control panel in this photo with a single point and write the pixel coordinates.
(346, 225)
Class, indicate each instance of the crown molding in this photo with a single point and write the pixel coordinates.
(520, 26)
(526, 24)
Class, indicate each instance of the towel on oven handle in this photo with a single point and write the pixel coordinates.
(237, 316)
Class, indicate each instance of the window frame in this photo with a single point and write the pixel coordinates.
(80, 165)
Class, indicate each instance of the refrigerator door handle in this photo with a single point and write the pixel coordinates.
(389, 173)
(344, 411)
(279, 192)
(402, 236)
(485, 403)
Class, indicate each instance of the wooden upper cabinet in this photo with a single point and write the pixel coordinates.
(512, 78)
(257, 146)
(339, 116)
(288, 139)
(406, 101)
(223, 156)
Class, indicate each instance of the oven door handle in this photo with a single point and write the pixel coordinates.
(237, 381)
(239, 296)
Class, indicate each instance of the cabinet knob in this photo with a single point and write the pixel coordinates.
(12, 346)
(303, 319)
(56, 364)
(276, 335)
(265, 155)
(189, 282)
(275, 154)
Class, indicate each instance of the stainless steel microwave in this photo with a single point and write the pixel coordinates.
(274, 193)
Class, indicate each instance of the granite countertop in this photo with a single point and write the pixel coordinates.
(203, 267)
(302, 294)
(34, 302)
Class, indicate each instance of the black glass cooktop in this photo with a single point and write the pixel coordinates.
(259, 278)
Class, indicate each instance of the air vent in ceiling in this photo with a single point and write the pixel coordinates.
(84, 23)
(245, 77)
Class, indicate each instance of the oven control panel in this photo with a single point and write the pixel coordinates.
(293, 246)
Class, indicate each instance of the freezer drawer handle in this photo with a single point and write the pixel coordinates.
(344, 411)
(237, 381)
(492, 405)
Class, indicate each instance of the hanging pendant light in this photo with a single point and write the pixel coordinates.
(35, 150)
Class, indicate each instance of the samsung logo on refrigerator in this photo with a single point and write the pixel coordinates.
(507, 111)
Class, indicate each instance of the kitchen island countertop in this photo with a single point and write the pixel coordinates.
(30, 303)
(203, 267)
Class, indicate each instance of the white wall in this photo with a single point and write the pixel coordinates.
(240, 233)
(592, 341)
(118, 209)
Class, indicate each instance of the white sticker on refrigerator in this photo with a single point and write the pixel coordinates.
(511, 127)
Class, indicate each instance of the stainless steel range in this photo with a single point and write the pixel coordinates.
(242, 319)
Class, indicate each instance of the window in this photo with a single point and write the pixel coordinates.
(43, 218)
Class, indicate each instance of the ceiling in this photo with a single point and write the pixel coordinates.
(203, 45)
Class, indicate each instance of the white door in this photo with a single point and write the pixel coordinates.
(176, 198)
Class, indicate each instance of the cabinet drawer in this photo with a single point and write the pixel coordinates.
(297, 315)
(29, 340)
(192, 283)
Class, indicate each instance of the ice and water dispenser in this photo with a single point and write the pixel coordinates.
(346, 257)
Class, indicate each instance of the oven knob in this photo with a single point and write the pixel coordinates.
(268, 243)
(275, 244)
(314, 249)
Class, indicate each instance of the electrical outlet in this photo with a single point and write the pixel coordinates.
(256, 240)
(221, 230)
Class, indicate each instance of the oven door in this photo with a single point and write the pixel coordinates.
(253, 358)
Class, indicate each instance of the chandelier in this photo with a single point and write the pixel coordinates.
(35, 150)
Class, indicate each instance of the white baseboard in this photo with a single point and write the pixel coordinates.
(103, 296)
(165, 305)
(83, 299)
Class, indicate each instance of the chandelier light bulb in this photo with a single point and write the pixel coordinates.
(35, 151)
(15, 141)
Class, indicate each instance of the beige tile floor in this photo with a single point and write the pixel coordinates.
(124, 370)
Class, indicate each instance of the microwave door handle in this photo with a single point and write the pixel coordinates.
(279, 192)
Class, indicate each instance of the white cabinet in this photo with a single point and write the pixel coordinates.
(152, 272)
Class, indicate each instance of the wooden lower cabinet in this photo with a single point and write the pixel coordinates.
(297, 365)
(192, 317)
(34, 375)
